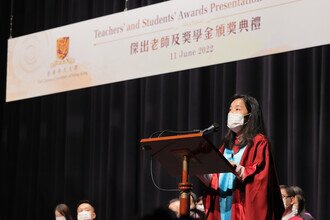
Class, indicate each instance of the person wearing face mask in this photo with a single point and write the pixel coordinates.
(62, 212)
(298, 207)
(85, 211)
(252, 192)
(288, 196)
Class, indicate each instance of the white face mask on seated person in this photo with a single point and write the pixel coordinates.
(235, 121)
(84, 215)
(295, 209)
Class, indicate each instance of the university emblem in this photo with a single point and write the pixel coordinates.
(62, 47)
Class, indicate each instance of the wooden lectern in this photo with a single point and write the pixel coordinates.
(186, 154)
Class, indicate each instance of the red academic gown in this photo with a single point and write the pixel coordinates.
(258, 196)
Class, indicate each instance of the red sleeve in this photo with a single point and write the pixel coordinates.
(258, 160)
(260, 189)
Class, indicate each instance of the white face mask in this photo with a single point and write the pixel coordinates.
(60, 218)
(235, 121)
(295, 209)
(200, 207)
(84, 215)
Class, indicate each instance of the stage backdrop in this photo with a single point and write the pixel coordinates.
(160, 38)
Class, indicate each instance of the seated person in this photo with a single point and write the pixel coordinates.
(85, 211)
(62, 212)
(174, 205)
(299, 205)
(288, 201)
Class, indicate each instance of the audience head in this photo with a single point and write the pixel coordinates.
(297, 190)
(288, 195)
(193, 200)
(199, 204)
(174, 206)
(299, 200)
(62, 212)
(195, 213)
(85, 210)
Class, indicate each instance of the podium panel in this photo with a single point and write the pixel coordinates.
(203, 157)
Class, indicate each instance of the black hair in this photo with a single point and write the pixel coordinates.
(301, 199)
(301, 204)
(253, 126)
(289, 190)
(298, 190)
(87, 202)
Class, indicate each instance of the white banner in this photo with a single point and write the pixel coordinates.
(161, 38)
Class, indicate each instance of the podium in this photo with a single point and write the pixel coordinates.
(183, 155)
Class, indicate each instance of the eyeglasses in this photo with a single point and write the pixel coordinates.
(284, 196)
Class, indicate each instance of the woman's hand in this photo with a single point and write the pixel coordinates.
(239, 170)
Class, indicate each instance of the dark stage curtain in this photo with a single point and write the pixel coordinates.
(84, 144)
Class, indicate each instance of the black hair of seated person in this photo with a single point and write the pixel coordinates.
(289, 190)
(298, 191)
(87, 202)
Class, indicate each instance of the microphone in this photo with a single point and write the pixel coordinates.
(213, 128)
(161, 133)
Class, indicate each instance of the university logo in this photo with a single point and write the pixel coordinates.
(62, 47)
